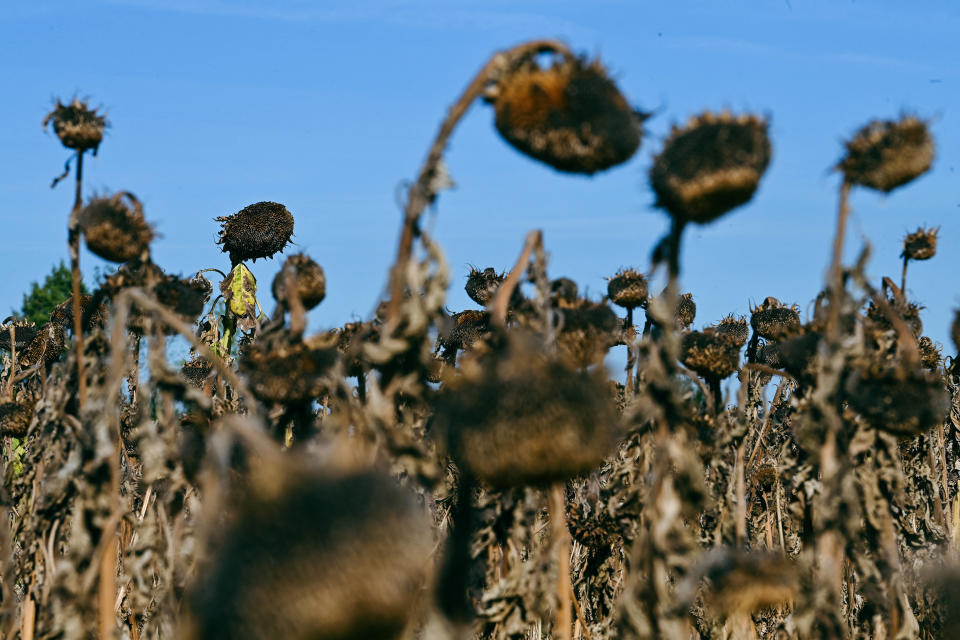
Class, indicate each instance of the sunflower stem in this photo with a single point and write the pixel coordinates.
(73, 236)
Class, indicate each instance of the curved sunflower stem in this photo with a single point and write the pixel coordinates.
(423, 192)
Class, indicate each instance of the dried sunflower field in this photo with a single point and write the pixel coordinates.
(486, 473)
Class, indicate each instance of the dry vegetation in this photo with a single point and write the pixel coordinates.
(480, 474)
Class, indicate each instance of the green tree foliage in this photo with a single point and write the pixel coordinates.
(42, 298)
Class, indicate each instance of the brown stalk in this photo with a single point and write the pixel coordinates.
(903, 275)
(73, 239)
(563, 618)
(766, 422)
(424, 191)
(741, 498)
(576, 608)
(13, 364)
(500, 302)
(836, 268)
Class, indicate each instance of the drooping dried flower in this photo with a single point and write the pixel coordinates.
(930, 355)
(686, 311)
(63, 313)
(15, 417)
(588, 329)
(773, 320)
(897, 398)
(310, 279)
(482, 285)
(184, 296)
(46, 347)
(908, 311)
(259, 230)
(921, 244)
(77, 125)
(268, 362)
(734, 328)
(711, 354)
(737, 582)
(564, 292)
(570, 116)
(196, 370)
(628, 289)
(517, 417)
(23, 333)
(887, 154)
(467, 328)
(114, 227)
(710, 166)
(766, 476)
(327, 558)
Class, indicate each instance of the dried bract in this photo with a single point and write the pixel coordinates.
(920, 245)
(887, 154)
(114, 227)
(710, 166)
(310, 279)
(257, 231)
(686, 311)
(628, 289)
(570, 116)
(328, 558)
(930, 355)
(77, 125)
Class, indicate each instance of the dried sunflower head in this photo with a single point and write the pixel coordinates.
(686, 310)
(77, 125)
(564, 292)
(114, 227)
(570, 116)
(15, 417)
(587, 331)
(711, 354)
(516, 416)
(887, 154)
(23, 333)
(310, 279)
(269, 361)
(930, 355)
(921, 244)
(468, 328)
(734, 328)
(773, 320)
(897, 398)
(196, 370)
(766, 476)
(710, 166)
(256, 231)
(46, 347)
(628, 289)
(908, 311)
(184, 296)
(482, 285)
(63, 313)
(737, 582)
(328, 557)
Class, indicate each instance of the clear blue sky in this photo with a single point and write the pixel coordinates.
(327, 106)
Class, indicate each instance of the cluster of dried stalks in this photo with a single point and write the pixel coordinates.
(428, 474)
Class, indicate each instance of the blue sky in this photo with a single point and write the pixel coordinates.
(328, 106)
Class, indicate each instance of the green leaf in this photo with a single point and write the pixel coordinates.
(239, 291)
